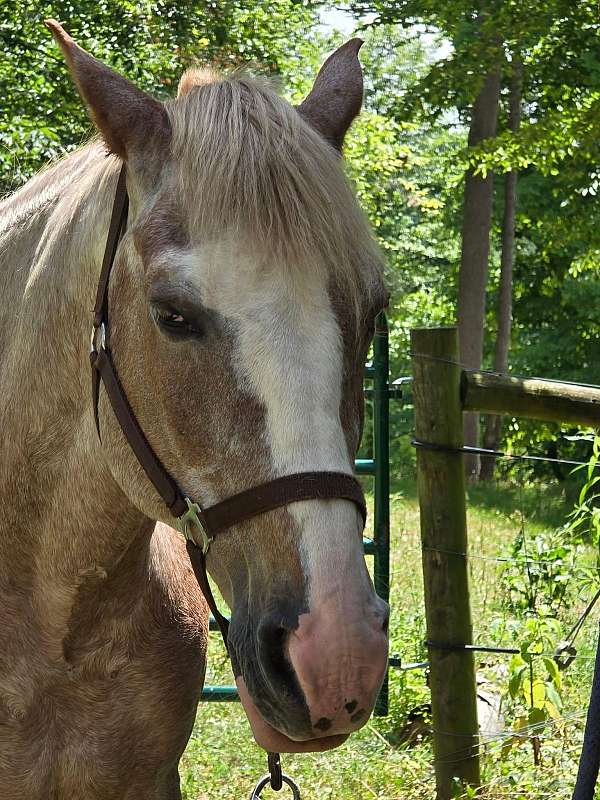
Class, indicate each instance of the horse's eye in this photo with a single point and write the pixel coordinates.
(174, 322)
(169, 319)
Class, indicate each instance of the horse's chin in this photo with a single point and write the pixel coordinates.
(273, 740)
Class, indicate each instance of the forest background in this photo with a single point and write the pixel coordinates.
(476, 156)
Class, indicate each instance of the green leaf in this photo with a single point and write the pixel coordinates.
(553, 696)
(553, 671)
(516, 680)
(539, 693)
(536, 716)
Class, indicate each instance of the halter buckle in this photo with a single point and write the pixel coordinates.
(94, 338)
(190, 525)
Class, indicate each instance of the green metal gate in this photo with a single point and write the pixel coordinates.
(377, 373)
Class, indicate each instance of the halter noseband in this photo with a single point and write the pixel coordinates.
(198, 525)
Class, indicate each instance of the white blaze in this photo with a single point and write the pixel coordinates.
(290, 357)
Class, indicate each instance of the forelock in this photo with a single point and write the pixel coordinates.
(247, 164)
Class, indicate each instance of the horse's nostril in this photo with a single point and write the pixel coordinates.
(272, 639)
(275, 665)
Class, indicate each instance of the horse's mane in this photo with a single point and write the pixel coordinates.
(250, 163)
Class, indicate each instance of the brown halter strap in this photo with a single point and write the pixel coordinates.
(198, 525)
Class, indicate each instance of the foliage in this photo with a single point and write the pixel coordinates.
(535, 683)
(543, 568)
(545, 572)
(406, 176)
(584, 520)
(557, 270)
(150, 42)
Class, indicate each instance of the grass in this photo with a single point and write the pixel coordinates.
(221, 760)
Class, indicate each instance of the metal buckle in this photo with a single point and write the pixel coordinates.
(94, 337)
(189, 522)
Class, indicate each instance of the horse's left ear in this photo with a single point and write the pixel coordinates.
(336, 97)
(127, 117)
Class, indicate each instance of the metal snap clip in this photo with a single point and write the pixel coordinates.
(274, 763)
(192, 528)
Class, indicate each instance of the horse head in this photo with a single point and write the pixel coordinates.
(242, 304)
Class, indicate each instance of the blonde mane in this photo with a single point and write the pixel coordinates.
(249, 163)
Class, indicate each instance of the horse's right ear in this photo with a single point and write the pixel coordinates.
(126, 116)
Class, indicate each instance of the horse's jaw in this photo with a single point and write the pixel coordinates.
(273, 740)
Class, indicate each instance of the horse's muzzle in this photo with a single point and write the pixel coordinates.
(314, 674)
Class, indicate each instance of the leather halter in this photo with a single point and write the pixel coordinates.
(198, 525)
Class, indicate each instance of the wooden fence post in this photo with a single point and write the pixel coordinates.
(441, 485)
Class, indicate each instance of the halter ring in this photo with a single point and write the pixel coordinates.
(266, 780)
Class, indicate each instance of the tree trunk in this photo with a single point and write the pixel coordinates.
(493, 423)
(477, 223)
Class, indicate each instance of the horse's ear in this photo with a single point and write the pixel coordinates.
(336, 97)
(126, 116)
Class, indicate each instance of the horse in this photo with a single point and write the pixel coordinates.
(242, 303)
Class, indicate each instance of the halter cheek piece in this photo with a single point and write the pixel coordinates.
(198, 525)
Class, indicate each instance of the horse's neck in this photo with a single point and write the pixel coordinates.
(61, 509)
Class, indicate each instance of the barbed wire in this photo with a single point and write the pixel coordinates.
(526, 733)
(506, 559)
(482, 451)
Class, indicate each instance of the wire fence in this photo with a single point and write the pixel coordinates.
(574, 565)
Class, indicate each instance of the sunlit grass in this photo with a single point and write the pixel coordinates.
(222, 761)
